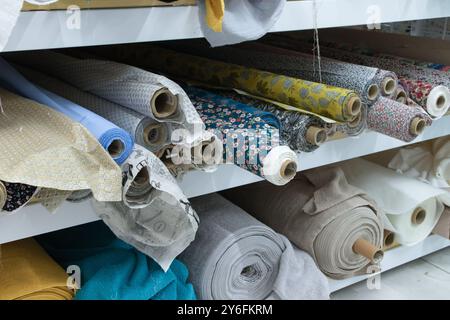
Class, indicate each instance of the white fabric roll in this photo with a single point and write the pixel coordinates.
(273, 165)
(398, 197)
(234, 256)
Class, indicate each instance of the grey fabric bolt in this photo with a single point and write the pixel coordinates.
(321, 214)
(161, 222)
(125, 85)
(127, 119)
(291, 63)
(294, 125)
(234, 256)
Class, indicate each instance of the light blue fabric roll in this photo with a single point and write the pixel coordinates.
(115, 140)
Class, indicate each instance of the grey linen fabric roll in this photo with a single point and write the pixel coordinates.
(320, 213)
(127, 119)
(234, 256)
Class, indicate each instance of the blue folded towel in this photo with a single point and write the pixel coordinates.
(112, 269)
(102, 129)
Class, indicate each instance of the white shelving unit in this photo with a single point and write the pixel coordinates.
(49, 29)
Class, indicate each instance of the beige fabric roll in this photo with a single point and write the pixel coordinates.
(41, 147)
(320, 213)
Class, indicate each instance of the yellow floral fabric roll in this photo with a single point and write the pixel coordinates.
(332, 102)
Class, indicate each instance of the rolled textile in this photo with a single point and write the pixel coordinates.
(397, 120)
(443, 226)
(430, 165)
(425, 64)
(113, 270)
(237, 257)
(411, 208)
(293, 64)
(243, 20)
(145, 131)
(301, 132)
(147, 93)
(386, 80)
(44, 148)
(322, 214)
(357, 126)
(14, 196)
(250, 140)
(429, 89)
(155, 216)
(335, 103)
(401, 95)
(115, 140)
(28, 273)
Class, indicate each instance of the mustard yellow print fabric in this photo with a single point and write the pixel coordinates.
(44, 148)
(318, 98)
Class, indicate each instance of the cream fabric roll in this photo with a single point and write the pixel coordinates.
(400, 199)
(320, 213)
(237, 257)
(154, 216)
(43, 148)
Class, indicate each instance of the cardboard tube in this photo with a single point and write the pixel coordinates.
(388, 238)
(116, 148)
(163, 104)
(418, 216)
(417, 126)
(441, 102)
(155, 134)
(355, 122)
(353, 107)
(288, 169)
(3, 195)
(401, 97)
(368, 250)
(373, 91)
(316, 135)
(388, 86)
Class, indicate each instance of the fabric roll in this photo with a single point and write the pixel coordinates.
(147, 93)
(411, 208)
(249, 141)
(443, 226)
(237, 257)
(243, 20)
(429, 88)
(155, 216)
(401, 94)
(146, 131)
(357, 126)
(301, 132)
(116, 141)
(430, 165)
(332, 102)
(113, 270)
(425, 64)
(397, 120)
(320, 213)
(49, 150)
(28, 273)
(293, 64)
(14, 196)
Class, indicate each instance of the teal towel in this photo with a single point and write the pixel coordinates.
(114, 270)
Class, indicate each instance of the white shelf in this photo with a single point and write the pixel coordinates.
(35, 220)
(397, 257)
(48, 29)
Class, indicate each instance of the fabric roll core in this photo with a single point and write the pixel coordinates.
(417, 126)
(355, 122)
(3, 195)
(418, 216)
(164, 104)
(155, 134)
(373, 92)
(288, 169)
(389, 86)
(353, 107)
(116, 148)
(441, 102)
(388, 238)
(368, 250)
(316, 135)
(401, 97)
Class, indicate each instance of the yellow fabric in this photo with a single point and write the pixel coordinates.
(215, 10)
(28, 273)
(317, 98)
